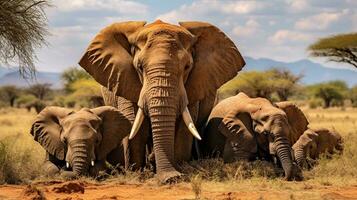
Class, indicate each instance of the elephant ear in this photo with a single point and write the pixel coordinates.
(296, 117)
(115, 126)
(109, 61)
(46, 130)
(216, 60)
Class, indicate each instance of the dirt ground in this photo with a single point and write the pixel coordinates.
(77, 190)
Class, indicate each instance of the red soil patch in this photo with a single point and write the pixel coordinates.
(70, 187)
(81, 190)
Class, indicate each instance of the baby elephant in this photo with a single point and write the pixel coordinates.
(80, 141)
(313, 143)
(243, 128)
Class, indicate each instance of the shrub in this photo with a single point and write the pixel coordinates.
(315, 102)
(18, 163)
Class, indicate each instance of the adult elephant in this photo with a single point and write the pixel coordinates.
(242, 128)
(169, 72)
(81, 140)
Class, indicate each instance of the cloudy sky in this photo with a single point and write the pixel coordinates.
(277, 29)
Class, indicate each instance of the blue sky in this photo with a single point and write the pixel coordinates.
(277, 29)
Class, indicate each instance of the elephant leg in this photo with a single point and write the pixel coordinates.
(98, 167)
(116, 157)
(150, 155)
(52, 165)
(135, 150)
(137, 147)
(183, 137)
(183, 143)
(50, 168)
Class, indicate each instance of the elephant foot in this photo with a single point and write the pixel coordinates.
(170, 177)
(68, 175)
(51, 169)
(296, 174)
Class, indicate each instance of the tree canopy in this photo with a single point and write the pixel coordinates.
(9, 94)
(22, 29)
(338, 48)
(278, 81)
(72, 75)
(329, 92)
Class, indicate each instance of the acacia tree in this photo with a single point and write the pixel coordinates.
(9, 94)
(353, 95)
(285, 82)
(40, 91)
(72, 75)
(277, 81)
(22, 30)
(329, 91)
(339, 48)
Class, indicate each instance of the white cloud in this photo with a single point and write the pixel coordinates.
(318, 22)
(298, 5)
(288, 36)
(121, 6)
(278, 29)
(242, 7)
(250, 29)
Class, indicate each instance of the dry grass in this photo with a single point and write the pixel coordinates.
(21, 157)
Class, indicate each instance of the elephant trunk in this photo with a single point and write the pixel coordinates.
(299, 156)
(162, 106)
(284, 155)
(80, 159)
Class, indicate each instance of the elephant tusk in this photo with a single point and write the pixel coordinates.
(67, 165)
(139, 118)
(92, 163)
(189, 123)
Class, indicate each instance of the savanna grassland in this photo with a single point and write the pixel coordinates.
(336, 178)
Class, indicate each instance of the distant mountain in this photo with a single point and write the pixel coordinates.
(313, 72)
(14, 78)
(4, 70)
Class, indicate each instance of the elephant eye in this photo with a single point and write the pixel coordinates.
(187, 67)
(140, 67)
(134, 49)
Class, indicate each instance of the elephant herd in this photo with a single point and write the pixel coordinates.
(159, 86)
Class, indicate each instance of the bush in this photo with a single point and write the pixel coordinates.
(315, 103)
(18, 163)
(24, 100)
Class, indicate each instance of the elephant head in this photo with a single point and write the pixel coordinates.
(79, 137)
(269, 123)
(296, 118)
(315, 142)
(307, 143)
(162, 67)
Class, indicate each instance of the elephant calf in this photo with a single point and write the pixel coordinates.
(308, 142)
(80, 141)
(315, 142)
(243, 128)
